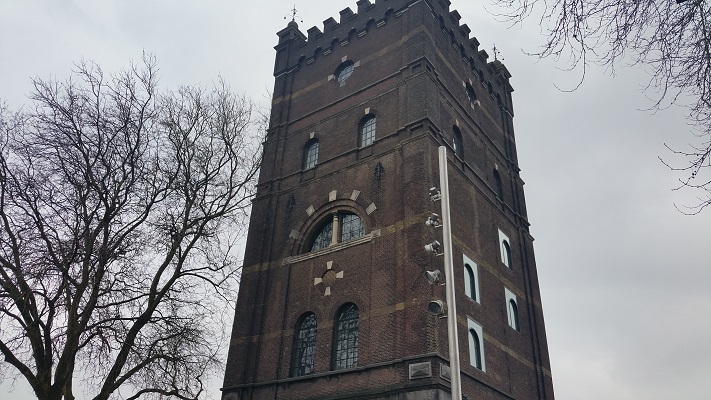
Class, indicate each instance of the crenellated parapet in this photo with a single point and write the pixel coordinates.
(296, 50)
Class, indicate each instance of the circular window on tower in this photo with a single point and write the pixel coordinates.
(344, 71)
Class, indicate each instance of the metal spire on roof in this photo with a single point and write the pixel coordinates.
(496, 53)
(293, 15)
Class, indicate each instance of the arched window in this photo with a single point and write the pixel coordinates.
(367, 131)
(471, 278)
(505, 249)
(457, 143)
(499, 187)
(470, 284)
(475, 349)
(513, 314)
(344, 71)
(506, 253)
(311, 154)
(336, 228)
(302, 360)
(324, 237)
(345, 337)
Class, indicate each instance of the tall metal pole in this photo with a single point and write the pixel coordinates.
(449, 277)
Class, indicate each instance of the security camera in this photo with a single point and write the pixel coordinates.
(433, 247)
(436, 307)
(433, 277)
(433, 220)
(434, 194)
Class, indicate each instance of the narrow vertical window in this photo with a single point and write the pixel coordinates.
(498, 185)
(476, 351)
(505, 250)
(476, 345)
(506, 253)
(511, 309)
(345, 337)
(471, 287)
(457, 143)
(513, 314)
(302, 362)
(471, 95)
(471, 279)
(311, 154)
(367, 131)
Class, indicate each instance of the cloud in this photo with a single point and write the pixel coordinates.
(624, 276)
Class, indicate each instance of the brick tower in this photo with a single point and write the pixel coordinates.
(333, 302)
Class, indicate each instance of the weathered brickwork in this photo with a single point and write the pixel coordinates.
(417, 70)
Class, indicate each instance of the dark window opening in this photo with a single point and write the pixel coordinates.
(302, 362)
(499, 186)
(345, 343)
(311, 154)
(367, 131)
(457, 142)
(513, 314)
(476, 351)
(471, 95)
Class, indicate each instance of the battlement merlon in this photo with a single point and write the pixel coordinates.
(308, 48)
(367, 11)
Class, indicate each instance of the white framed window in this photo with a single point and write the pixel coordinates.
(505, 249)
(476, 345)
(471, 279)
(512, 309)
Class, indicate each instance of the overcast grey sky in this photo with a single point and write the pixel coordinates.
(625, 278)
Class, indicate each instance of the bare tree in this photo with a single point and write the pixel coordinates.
(118, 209)
(672, 38)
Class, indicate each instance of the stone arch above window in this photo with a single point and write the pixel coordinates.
(311, 154)
(303, 352)
(366, 130)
